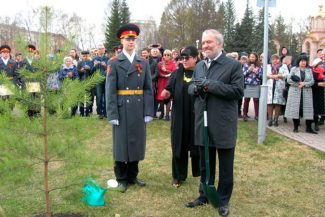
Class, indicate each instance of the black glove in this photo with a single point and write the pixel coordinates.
(201, 83)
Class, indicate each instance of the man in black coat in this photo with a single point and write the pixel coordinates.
(219, 84)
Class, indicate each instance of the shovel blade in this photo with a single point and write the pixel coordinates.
(211, 193)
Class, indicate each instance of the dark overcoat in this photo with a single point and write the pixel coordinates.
(318, 96)
(10, 70)
(175, 87)
(129, 137)
(225, 88)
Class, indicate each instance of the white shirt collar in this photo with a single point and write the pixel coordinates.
(130, 58)
(5, 60)
(208, 61)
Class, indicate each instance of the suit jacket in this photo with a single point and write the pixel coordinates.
(225, 88)
(129, 137)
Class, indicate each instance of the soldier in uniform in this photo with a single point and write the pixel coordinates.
(129, 107)
(8, 66)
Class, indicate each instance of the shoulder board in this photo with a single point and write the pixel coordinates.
(113, 58)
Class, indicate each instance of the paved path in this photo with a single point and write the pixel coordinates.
(316, 141)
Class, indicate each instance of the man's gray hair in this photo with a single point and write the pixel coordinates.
(216, 33)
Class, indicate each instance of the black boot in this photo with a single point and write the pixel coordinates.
(310, 130)
(270, 123)
(308, 127)
(276, 124)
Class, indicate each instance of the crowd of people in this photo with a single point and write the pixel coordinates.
(190, 88)
(295, 88)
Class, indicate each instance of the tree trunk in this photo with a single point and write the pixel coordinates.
(46, 164)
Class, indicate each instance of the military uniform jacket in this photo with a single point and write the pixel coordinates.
(225, 88)
(10, 70)
(129, 137)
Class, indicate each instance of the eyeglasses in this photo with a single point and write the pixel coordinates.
(167, 55)
(181, 58)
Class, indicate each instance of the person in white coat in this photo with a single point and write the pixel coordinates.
(276, 75)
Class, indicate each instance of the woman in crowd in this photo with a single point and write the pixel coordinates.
(253, 74)
(182, 126)
(318, 90)
(300, 97)
(276, 75)
(69, 71)
(288, 61)
(165, 67)
(284, 53)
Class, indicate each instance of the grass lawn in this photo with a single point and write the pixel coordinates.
(279, 178)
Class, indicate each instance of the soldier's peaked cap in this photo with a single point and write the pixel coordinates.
(5, 48)
(128, 30)
(31, 47)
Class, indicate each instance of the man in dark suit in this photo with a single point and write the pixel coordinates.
(219, 84)
(129, 107)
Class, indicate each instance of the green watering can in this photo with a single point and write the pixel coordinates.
(210, 191)
(93, 193)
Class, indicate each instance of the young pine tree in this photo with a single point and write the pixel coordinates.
(30, 141)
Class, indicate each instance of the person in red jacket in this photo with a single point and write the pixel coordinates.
(166, 66)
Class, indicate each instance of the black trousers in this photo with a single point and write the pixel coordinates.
(125, 172)
(180, 166)
(226, 172)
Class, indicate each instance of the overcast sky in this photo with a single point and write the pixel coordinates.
(94, 11)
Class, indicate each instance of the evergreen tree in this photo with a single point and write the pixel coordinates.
(258, 33)
(125, 13)
(281, 31)
(229, 25)
(272, 47)
(39, 147)
(113, 24)
(295, 47)
(221, 18)
(243, 37)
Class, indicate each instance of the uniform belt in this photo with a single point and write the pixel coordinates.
(129, 92)
(10, 78)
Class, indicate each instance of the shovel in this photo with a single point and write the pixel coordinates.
(210, 191)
